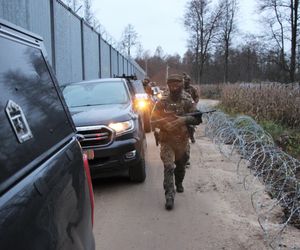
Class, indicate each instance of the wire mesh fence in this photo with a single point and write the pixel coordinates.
(277, 204)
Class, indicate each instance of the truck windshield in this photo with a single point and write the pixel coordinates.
(95, 93)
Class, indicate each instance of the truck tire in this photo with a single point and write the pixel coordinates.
(137, 173)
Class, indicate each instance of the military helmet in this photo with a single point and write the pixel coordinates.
(187, 78)
(146, 81)
(175, 79)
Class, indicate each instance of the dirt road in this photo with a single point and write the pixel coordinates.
(214, 212)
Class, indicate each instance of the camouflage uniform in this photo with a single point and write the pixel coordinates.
(174, 142)
(147, 86)
(192, 91)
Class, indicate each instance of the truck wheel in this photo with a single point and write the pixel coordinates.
(137, 173)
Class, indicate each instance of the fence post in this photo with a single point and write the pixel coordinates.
(118, 54)
(52, 30)
(82, 48)
(99, 45)
(110, 61)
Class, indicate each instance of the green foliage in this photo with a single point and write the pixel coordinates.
(276, 130)
(286, 138)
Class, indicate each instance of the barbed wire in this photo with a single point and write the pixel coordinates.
(279, 199)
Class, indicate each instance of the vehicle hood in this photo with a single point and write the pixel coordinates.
(101, 114)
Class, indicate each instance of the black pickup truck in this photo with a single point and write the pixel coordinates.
(104, 113)
(46, 197)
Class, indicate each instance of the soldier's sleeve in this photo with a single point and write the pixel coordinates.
(157, 114)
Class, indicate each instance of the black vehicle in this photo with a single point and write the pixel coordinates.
(46, 198)
(143, 102)
(114, 139)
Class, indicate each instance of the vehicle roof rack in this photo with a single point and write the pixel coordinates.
(128, 77)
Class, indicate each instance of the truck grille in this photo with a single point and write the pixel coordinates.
(95, 136)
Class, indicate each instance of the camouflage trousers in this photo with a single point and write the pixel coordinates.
(174, 156)
(188, 151)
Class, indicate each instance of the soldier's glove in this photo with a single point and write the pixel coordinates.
(180, 121)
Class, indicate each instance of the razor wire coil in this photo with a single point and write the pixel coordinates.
(268, 164)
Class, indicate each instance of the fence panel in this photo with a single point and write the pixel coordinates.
(70, 43)
(125, 66)
(105, 59)
(31, 15)
(121, 66)
(91, 53)
(114, 62)
(68, 47)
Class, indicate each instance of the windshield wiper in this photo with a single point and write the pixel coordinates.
(99, 104)
(85, 105)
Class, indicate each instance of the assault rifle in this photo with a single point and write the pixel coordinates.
(171, 116)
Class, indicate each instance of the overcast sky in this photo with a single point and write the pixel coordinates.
(159, 22)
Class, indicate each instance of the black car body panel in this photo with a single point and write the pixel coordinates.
(102, 114)
(44, 195)
(111, 154)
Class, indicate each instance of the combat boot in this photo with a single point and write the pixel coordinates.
(193, 140)
(188, 164)
(179, 188)
(169, 203)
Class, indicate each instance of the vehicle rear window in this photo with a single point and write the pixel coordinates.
(26, 81)
(95, 93)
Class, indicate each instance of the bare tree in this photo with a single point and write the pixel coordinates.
(294, 5)
(159, 52)
(227, 29)
(129, 38)
(139, 51)
(202, 21)
(282, 18)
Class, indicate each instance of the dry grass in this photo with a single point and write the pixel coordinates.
(211, 91)
(273, 102)
(275, 106)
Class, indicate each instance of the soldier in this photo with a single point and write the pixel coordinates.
(168, 117)
(147, 87)
(189, 88)
(192, 91)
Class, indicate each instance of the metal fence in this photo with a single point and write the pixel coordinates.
(75, 50)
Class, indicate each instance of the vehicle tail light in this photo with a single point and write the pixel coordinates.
(89, 179)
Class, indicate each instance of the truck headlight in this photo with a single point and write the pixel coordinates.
(141, 104)
(122, 127)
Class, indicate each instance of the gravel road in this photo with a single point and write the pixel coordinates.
(214, 212)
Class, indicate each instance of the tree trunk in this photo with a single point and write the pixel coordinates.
(226, 62)
(294, 20)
